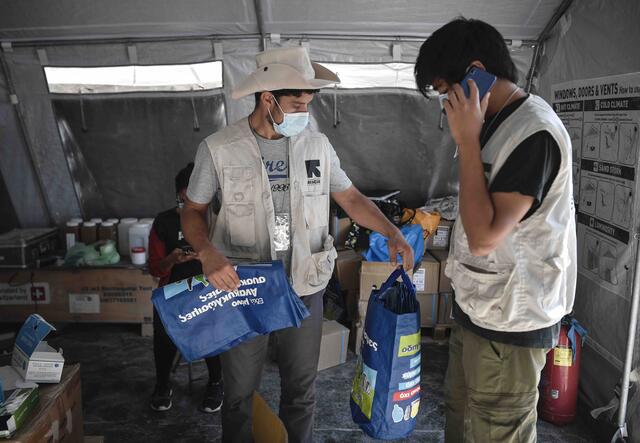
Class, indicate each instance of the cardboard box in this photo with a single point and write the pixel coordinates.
(347, 269)
(428, 309)
(59, 412)
(444, 308)
(426, 276)
(32, 357)
(355, 336)
(373, 274)
(445, 282)
(440, 240)
(362, 310)
(266, 425)
(333, 347)
(351, 299)
(347, 272)
(117, 295)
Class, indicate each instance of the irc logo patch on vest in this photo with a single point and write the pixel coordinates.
(313, 172)
(409, 345)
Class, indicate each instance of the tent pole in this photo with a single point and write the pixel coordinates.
(535, 60)
(129, 40)
(223, 37)
(381, 38)
(260, 17)
(631, 338)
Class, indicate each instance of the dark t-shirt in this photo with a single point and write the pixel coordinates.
(529, 170)
(167, 226)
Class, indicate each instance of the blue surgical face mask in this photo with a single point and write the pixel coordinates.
(292, 123)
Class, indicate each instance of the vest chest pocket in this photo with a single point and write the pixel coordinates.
(316, 211)
(238, 184)
(238, 198)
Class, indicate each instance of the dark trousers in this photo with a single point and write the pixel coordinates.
(164, 352)
(297, 353)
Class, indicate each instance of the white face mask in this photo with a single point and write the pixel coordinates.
(292, 123)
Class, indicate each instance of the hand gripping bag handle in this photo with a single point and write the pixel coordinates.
(399, 272)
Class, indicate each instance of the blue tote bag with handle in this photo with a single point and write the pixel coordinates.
(204, 321)
(385, 396)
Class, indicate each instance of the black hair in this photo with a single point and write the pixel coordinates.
(285, 92)
(182, 179)
(449, 51)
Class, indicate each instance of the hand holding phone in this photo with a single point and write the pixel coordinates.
(466, 110)
(484, 81)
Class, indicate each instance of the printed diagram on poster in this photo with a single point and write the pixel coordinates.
(602, 117)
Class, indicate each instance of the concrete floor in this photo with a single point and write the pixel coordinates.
(118, 377)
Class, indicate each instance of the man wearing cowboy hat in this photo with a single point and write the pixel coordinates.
(272, 178)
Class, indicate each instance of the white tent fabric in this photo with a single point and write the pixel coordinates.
(517, 20)
(95, 19)
(92, 19)
(584, 45)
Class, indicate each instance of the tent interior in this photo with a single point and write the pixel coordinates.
(77, 140)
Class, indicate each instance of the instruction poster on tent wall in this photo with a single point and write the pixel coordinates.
(602, 117)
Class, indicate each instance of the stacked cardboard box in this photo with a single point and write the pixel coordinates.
(357, 277)
(440, 240)
(59, 412)
(374, 274)
(347, 272)
(117, 295)
(444, 289)
(426, 280)
(333, 346)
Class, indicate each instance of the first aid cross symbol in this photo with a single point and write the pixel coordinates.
(38, 293)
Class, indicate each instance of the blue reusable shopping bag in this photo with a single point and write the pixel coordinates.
(204, 321)
(378, 250)
(385, 396)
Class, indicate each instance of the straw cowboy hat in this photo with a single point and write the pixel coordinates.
(286, 68)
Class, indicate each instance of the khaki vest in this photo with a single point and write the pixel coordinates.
(529, 281)
(245, 225)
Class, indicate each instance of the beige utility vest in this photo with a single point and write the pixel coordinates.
(244, 227)
(529, 281)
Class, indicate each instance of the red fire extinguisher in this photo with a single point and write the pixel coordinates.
(559, 380)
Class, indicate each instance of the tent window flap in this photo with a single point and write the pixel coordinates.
(134, 78)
